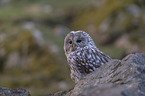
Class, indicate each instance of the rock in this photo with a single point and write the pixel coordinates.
(60, 93)
(13, 92)
(124, 77)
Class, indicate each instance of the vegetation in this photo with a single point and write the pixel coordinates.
(32, 34)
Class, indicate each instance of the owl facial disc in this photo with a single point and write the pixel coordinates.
(75, 40)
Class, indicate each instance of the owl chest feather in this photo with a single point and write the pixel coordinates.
(84, 60)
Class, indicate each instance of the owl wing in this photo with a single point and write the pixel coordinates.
(90, 60)
(101, 56)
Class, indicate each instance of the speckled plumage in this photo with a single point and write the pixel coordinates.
(82, 54)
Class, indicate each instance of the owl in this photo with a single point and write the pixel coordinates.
(82, 54)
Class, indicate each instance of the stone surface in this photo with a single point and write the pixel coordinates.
(13, 92)
(124, 77)
(60, 93)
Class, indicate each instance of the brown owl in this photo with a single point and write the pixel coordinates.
(82, 54)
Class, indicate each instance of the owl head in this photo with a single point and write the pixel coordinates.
(76, 40)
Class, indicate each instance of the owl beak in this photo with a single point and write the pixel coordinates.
(73, 47)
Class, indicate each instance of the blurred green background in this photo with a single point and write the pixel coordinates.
(32, 34)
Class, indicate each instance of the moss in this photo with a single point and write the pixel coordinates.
(96, 16)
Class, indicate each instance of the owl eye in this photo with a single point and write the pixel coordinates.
(78, 41)
(70, 42)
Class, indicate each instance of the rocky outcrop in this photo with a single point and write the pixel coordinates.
(124, 77)
(13, 92)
